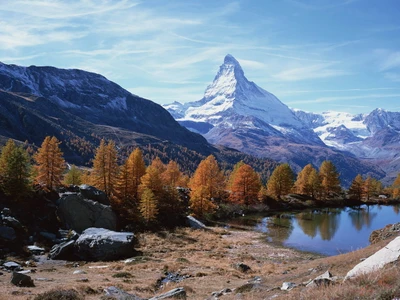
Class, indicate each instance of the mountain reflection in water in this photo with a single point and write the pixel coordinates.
(328, 231)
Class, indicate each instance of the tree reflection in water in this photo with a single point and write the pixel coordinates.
(325, 221)
(278, 228)
(361, 217)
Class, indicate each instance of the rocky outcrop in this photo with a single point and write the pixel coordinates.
(91, 193)
(386, 255)
(99, 244)
(194, 223)
(78, 213)
(384, 233)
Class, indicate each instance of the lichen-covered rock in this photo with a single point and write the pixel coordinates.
(96, 244)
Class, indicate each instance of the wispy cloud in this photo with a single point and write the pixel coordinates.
(344, 98)
(315, 71)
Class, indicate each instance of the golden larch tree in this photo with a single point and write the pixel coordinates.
(148, 206)
(105, 167)
(73, 176)
(303, 184)
(356, 190)
(330, 182)
(245, 185)
(207, 185)
(50, 163)
(281, 181)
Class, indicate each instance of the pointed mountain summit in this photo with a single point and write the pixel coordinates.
(237, 113)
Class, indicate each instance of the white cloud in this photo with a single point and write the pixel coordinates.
(315, 71)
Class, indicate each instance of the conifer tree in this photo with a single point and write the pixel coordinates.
(73, 176)
(233, 173)
(245, 185)
(105, 167)
(281, 181)
(368, 188)
(148, 206)
(314, 184)
(14, 170)
(356, 188)
(330, 182)
(152, 180)
(206, 186)
(50, 163)
(303, 185)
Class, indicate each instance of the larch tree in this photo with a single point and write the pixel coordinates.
(207, 185)
(303, 185)
(15, 171)
(245, 185)
(232, 174)
(314, 184)
(396, 187)
(148, 206)
(368, 188)
(73, 176)
(356, 190)
(281, 181)
(50, 163)
(330, 182)
(105, 167)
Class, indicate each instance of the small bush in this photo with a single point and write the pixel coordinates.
(59, 295)
(122, 275)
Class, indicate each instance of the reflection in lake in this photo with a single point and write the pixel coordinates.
(328, 231)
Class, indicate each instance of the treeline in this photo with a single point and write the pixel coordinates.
(160, 192)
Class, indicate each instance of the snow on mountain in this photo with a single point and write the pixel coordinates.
(233, 102)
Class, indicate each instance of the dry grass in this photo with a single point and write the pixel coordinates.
(207, 259)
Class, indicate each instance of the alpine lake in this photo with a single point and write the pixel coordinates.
(328, 231)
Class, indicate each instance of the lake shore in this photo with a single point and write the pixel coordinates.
(203, 262)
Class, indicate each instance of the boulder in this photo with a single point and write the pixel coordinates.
(13, 266)
(7, 233)
(91, 193)
(21, 280)
(35, 249)
(287, 286)
(63, 251)
(79, 214)
(384, 233)
(386, 255)
(96, 244)
(195, 224)
(322, 280)
(113, 292)
(177, 293)
(242, 267)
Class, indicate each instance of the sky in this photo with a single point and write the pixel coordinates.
(314, 55)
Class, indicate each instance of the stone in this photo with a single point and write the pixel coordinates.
(91, 193)
(21, 280)
(35, 249)
(77, 272)
(384, 233)
(63, 251)
(6, 211)
(116, 293)
(48, 236)
(177, 293)
(195, 224)
(287, 286)
(242, 267)
(386, 255)
(99, 244)
(321, 280)
(7, 233)
(13, 266)
(79, 214)
(12, 222)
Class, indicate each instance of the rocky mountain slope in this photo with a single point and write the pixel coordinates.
(237, 113)
(80, 108)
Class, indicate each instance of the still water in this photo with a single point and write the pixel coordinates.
(329, 231)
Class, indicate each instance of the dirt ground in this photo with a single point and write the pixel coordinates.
(203, 261)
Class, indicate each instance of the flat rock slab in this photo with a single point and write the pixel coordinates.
(387, 254)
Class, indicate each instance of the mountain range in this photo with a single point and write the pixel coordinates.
(237, 113)
(80, 108)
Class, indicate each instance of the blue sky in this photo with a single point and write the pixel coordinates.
(314, 55)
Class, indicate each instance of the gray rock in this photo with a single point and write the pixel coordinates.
(386, 255)
(13, 266)
(91, 193)
(77, 272)
(7, 233)
(6, 211)
(35, 249)
(116, 293)
(322, 280)
(63, 251)
(287, 286)
(79, 214)
(195, 224)
(177, 293)
(242, 267)
(48, 236)
(12, 222)
(21, 280)
(96, 244)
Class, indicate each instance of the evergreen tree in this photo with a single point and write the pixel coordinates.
(245, 185)
(73, 176)
(330, 182)
(148, 206)
(15, 171)
(105, 167)
(50, 163)
(356, 188)
(207, 186)
(281, 181)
